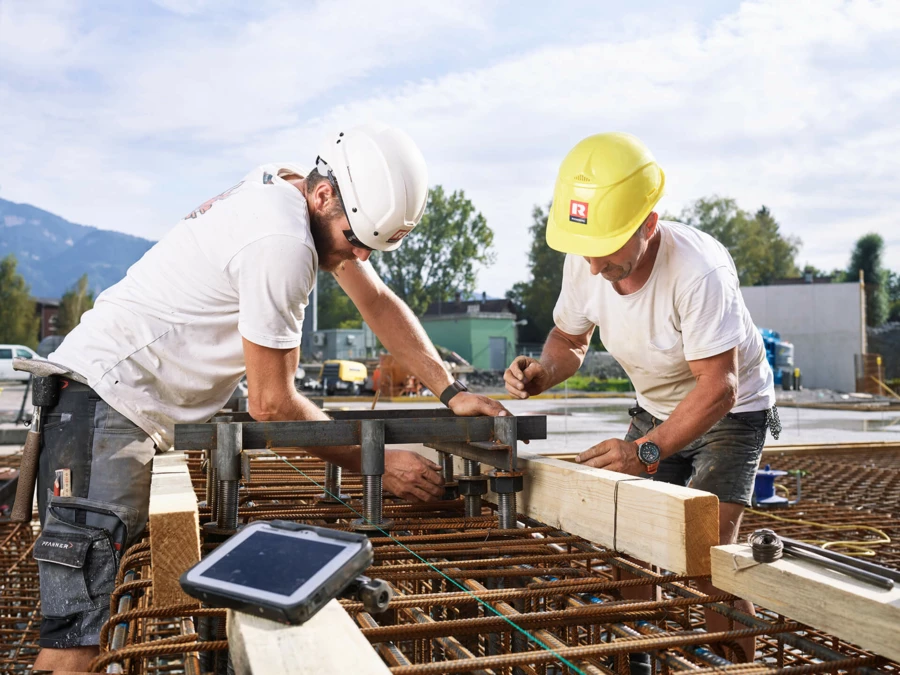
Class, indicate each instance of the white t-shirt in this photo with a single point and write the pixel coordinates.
(163, 346)
(690, 308)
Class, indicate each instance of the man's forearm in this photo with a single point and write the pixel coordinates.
(401, 333)
(561, 358)
(705, 405)
(297, 407)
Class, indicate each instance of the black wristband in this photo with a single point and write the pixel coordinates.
(455, 388)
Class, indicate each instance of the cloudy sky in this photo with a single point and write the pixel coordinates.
(126, 115)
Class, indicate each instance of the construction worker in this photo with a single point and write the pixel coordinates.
(221, 295)
(666, 300)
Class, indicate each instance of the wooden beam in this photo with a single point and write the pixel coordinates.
(330, 642)
(666, 525)
(827, 600)
(174, 527)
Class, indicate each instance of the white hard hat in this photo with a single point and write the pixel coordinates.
(383, 181)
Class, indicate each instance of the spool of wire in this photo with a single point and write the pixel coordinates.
(766, 546)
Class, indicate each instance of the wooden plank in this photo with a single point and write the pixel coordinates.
(330, 642)
(827, 600)
(174, 528)
(666, 525)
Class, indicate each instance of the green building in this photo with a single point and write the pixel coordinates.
(483, 332)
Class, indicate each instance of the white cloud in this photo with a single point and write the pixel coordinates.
(792, 105)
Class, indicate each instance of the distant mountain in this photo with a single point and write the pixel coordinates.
(53, 253)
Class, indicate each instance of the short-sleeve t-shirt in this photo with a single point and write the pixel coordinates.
(690, 308)
(163, 346)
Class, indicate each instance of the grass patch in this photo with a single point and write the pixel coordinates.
(589, 383)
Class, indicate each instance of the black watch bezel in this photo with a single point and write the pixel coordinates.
(650, 447)
(454, 388)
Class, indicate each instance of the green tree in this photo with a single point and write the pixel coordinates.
(837, 276)
(75, 302)
(440, 257)
(866, 256)
(893, 287)
(760, 251)
(19, 323)
(336, 309)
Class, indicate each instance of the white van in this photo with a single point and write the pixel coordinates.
(7, 354)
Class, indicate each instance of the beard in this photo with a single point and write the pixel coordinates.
(328, 242)
(615, 273)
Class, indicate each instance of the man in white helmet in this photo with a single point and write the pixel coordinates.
(221, 295)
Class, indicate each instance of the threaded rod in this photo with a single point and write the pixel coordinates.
(506, 510)
(228, 505)
(372, 499)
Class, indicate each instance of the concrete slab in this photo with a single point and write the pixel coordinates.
(574, 425)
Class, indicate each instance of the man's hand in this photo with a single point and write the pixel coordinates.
(467, 404)
(613, 455)
(410, 476)
(526, 377)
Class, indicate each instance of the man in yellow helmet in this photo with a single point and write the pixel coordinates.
(667, 302)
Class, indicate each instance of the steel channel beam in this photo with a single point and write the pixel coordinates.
(405, 413)
(348, 432)
(492, 454)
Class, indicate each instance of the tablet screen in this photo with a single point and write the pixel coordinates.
(273, 562)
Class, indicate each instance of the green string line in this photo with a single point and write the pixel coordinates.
(450, 579)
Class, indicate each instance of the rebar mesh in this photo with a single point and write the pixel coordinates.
(566, 593)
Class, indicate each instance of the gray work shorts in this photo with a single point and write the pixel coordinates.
(722, 461)
(85, 535)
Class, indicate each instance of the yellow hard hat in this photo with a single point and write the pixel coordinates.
(607, 186)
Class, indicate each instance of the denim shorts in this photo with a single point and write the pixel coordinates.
(722, 461)
(84, 535)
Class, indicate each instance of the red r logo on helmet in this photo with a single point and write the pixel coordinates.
(578, 212)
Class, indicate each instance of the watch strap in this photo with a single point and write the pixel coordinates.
(452, 390)
(654, 466)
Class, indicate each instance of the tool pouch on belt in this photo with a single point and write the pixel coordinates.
(78, 554)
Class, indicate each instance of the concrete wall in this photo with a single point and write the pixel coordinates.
(823, 322)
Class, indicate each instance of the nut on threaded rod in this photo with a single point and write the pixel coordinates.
(451, 488)
(471, 486)
(506, 484)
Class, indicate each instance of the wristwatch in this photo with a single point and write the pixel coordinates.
(451, 391)
(648, 453)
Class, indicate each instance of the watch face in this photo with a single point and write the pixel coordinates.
(648, 452)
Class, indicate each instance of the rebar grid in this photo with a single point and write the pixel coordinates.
(547, 582)
(19, 597)
(556, 586)
(857, 479)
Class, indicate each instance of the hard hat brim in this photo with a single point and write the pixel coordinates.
(590, 246)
